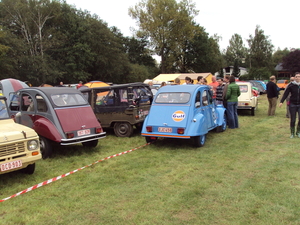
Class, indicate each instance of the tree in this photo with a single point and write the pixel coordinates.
(236, 69)
(279, 55)
(236, 51)
(168, 24)
(202, 53)
(261, 50)
(291, 62)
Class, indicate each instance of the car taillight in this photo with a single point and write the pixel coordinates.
(69, 135)
(180, 131)
(149, 129)
(98, 130)
(246, 103)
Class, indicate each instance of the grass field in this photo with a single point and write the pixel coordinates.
(248, 175)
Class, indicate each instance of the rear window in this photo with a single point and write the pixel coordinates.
(243, 88)
(173, 97)
(280, 81)
(68, 100)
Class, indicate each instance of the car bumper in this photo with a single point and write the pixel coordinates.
(77, 140)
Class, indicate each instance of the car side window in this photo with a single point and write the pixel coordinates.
(197, 100)
(41, 104)
(27, 103)
(204, 98)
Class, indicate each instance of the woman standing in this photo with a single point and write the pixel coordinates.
(232, 94)
(294, 106)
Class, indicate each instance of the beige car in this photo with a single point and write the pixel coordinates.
(248, 99)
(19, 145)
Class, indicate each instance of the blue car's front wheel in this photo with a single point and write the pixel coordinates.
(199, 140)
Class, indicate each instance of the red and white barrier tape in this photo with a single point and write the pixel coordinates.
(67, 174)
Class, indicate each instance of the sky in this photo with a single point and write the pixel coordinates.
(278, 19)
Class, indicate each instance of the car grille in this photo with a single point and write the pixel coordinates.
(12, 149)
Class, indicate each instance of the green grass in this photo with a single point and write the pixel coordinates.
(248, 175)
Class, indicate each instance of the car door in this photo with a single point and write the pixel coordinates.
(208, 109)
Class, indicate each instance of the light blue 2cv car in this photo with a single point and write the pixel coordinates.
(184, 111)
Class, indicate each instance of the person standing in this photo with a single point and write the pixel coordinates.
(293, 89)
(287, 115)
(220, 89)
(272, 95)
(188, 80)
(214, 84)
(232, 94)
(79, 85)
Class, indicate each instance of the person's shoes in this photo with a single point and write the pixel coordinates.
(292, 136)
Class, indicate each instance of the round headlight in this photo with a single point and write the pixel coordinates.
(33, 145)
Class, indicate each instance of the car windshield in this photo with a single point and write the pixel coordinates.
(172, 97)
(68, 100)
(3, 110)
(280, 81)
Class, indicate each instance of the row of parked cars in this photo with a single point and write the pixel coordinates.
(65, 116)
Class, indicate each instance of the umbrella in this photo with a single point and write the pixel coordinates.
(11, 85)
(93, 84)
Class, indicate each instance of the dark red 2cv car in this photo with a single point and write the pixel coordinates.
(58, 115)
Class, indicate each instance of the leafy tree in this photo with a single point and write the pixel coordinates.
(261, 50)
(291, 62)
(236, 50)
(168, 25)
(279, 55)
(202, 54)
(236, 69)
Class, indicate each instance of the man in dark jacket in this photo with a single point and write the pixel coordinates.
(293, 89)
(272, 95)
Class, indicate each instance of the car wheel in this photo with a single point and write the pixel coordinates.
(223, 126)
(90, 144)
(199, 140)
(46, 147)
(252, 111)
(150, 139)
(29, 169)
(123, 129)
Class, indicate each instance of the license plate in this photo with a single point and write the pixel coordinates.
(83, 132)
(146, 112)
(11, 165)
(165, 129)
(241, 104)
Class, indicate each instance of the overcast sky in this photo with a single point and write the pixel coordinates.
(278, 19)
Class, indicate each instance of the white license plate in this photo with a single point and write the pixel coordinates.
(165, 129)
(11, 165)
(241, 104)
(146, 112)
(83, 132)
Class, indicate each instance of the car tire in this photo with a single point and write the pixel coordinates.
(123, 129)
(150, 139)
(253, 111)
(45, 147)
(223, 126)
(199, 141)
(90, 144)
(29, 169)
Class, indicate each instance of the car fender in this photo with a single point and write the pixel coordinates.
(46, 128)
(221, 112)
(196, 127)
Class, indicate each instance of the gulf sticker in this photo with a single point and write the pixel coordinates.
(178, 116)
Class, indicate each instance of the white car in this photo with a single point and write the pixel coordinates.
(248, 98)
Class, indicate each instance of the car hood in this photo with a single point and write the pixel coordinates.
(76, 118)
(11, 131)
(165, 115)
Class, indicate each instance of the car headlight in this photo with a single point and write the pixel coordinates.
(33, 145)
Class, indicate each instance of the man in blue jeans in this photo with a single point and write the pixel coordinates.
(232, 94)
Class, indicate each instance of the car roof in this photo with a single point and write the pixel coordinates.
(53, 90)
(116, 86)
(181, 88)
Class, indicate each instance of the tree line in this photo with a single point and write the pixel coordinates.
(46, 41)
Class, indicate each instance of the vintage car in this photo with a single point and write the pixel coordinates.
(184, 111)
(121, 107)
(59, 115)
(248, 98)
(282, 84)
(19, 145)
